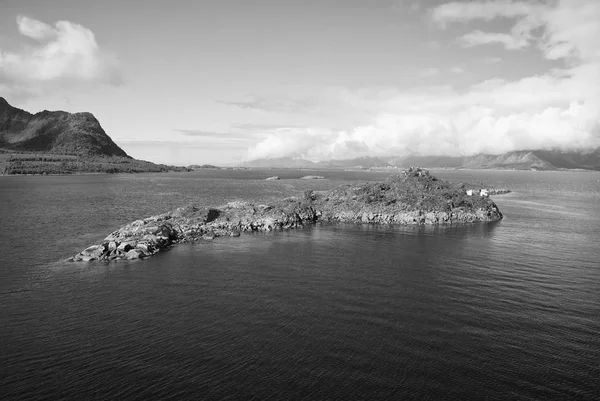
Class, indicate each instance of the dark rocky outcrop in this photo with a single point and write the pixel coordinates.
(413, 197)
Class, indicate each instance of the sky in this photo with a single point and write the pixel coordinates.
(224, 81)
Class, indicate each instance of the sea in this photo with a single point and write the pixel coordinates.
(501, 311)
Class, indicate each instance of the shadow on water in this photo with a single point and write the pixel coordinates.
(483, 230)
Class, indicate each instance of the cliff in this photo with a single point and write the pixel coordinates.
(413, 197)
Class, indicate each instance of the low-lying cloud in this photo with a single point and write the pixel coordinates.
(556, 109)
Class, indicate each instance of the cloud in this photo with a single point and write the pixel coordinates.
(201, 133)
(268, 104)
(211, 137)
(561, 29)
(33, 28)
(476, 38)
(66, 53)
(559, 108)
(486, 10)
(261, 127)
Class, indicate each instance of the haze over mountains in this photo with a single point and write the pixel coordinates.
(518, 160)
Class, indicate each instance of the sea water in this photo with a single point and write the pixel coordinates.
(508, 310)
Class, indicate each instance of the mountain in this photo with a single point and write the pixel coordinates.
(545, 159)
(57, 142)
(56, 132)
(584, 159)
(548, 159)
(520, 160)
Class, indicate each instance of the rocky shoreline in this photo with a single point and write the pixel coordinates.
(413, 197)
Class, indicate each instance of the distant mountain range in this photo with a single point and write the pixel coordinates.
(58, 142)
(518, 160)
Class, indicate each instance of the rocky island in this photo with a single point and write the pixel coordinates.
(412, 197)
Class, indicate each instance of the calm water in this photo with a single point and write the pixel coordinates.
(509, 310)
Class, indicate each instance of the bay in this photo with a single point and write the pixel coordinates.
(503, 310)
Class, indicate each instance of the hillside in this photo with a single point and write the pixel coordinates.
(514, 160)
(56, 132)
(58, 142)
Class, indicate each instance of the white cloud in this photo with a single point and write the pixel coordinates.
(569, 27)
(65, 53)
(476, 38)
(33, 28)
(486, 10)
(556, 109)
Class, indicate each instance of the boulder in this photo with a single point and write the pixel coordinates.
(94, 251)
(134, 254)
(209, 235)
(125, 246)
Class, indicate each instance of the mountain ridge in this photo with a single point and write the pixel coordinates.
(59, 142)
(534, 159)
(54, 132)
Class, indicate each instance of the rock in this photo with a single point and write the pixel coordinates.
(414, 197)
(125, 246)
(144, 248)
(272, 178)
(133, 254)
(185, 210)
(94, 251)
